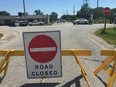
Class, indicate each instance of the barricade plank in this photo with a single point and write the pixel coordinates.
(71, 52)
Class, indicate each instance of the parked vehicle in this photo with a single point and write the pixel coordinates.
(61, 21)
(17, 23)
(11, 24)
(81, 21)
(22, 23)
(35, 22)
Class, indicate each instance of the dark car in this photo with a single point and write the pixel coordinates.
(22, 23)
(11, 24)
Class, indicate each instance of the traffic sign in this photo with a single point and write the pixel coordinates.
(43, 54)
(106, 10)
(42, 48)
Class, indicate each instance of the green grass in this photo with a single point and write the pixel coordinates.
(109, 36)
(1, 35)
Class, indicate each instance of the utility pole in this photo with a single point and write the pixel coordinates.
(86, 7)
(74, 12)
(62, 12)
(24, 11)
(97, 7)
(66, 12)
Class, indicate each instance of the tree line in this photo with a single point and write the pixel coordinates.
(85, 12)
(53, 15)
(90, 13)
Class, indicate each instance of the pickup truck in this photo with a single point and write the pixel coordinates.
(35, 22)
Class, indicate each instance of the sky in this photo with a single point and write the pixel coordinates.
(47, 6)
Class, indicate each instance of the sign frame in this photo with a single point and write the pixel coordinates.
(56, 63)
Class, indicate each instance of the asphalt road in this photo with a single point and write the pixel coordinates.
(72, 37)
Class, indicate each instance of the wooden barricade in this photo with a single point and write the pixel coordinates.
(76, 53)
(105, 66)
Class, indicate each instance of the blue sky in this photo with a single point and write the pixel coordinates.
(48, 6)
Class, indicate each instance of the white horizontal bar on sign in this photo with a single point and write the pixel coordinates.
(42, 49)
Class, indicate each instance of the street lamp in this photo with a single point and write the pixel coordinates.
(24, 10)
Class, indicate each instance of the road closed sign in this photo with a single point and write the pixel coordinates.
(43, 54)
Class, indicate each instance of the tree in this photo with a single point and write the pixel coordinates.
(4, 13)
(53, 16)
(38, 12)
(20, 14)
(68, 17)
(98, 12)
(84, 11)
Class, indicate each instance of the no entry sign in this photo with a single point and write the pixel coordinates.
(43, 54)
(42, 48)
(106, 10)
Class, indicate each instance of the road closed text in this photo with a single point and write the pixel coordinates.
(44, 70)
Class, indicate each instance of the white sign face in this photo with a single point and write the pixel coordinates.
(43, 54)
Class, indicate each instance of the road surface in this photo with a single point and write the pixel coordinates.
(72, 37)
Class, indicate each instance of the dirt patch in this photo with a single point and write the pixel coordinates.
(1, 35)
(8, 34)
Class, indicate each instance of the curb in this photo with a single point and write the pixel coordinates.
(99, 41)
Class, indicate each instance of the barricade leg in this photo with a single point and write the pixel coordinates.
(6, 67)
(82, 69)
(113, 76)
(103, 65)
(4, 63)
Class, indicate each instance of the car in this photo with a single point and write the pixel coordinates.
(35, 22)
(81, 21)
(17, 23)
(61, 21)
(22, 23)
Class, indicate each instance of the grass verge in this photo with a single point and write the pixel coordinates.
(1, 35)
(109, 36)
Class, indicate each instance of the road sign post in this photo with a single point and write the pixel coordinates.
(106, 11)
(43, 54)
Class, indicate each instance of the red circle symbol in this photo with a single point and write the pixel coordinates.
(106, 10)
(42, 48)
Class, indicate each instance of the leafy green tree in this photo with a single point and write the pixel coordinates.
(38, 12)
(53, 16)
(4, 13)
(98, 12)
(113, 12)
(20, 14)
(84, 12)
(68, 17)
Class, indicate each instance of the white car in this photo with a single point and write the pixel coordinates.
(35, 22)
(81, 21)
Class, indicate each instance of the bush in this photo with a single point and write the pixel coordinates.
(1, 35)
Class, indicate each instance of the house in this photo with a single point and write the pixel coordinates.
(6, 20)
